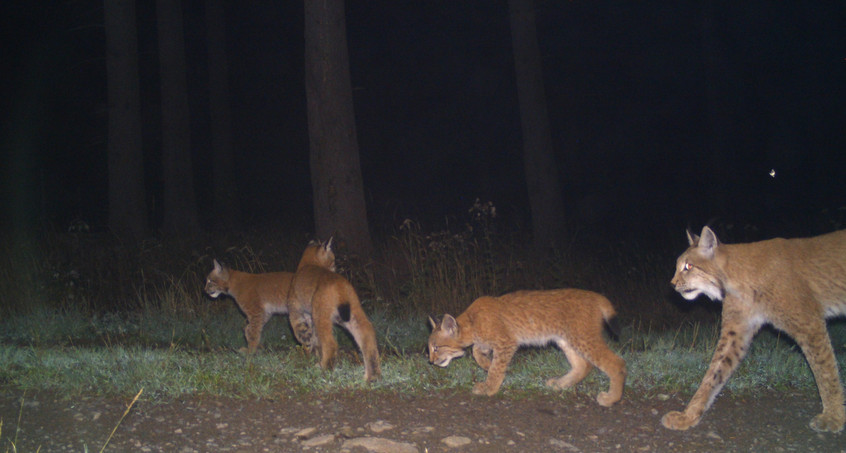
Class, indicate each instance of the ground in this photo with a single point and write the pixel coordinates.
(438, 422)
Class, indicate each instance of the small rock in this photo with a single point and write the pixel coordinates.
(379, 426)
(456, 441)
(347, 432)
(565, 445)
(662, 396)
(319, 440)
(713, 435)
(305, 433)
(379, 445)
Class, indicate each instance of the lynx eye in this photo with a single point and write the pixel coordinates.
(687, 266)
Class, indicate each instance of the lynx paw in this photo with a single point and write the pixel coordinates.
(559, 383)
(482, 389)
(605, 399)
(827, 423)
(678, 420)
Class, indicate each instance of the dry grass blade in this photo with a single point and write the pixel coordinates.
(128, 408)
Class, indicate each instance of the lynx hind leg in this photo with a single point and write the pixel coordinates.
(362, 332)
(252, 332)
(579, 368)
(731, 348)
(614, 367)
(816, 345)
(327, 346)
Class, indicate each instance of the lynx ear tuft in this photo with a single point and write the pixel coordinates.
(692, 239)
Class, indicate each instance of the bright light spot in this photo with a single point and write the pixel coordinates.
(772, 173)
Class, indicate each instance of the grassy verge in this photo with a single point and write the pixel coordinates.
(172, 358)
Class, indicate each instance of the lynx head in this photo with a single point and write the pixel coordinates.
(217, 282)
(319, 254)
(444, 344)
(697, 270)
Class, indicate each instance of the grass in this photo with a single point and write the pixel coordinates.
(175, 360)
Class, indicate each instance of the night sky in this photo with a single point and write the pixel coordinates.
(628, 86)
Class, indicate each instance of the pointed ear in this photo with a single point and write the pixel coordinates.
(708, 242)
(433, 323)
(692, 239)
(449, 325)
(217, 266)
(328, 245)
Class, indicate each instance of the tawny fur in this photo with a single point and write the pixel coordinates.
(793, 284)
(259, 296)
(313, 298)
(495, 327)
(320, 294)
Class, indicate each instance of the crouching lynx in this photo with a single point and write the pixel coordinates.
(793, 284)
(495, 327)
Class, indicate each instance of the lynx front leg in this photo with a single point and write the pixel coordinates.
(252, 332)
(482, 356)
(496, 371)
(816, 345)
(731, 348)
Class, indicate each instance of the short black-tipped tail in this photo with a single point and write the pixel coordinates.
(613, 325)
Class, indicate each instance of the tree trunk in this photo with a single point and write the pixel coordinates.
(339, 208)
(180, 208)
(545, 199)
(127, 205)
(224, 190)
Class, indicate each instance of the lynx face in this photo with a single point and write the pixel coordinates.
(217, 282)
(443, 342)
(696, 271)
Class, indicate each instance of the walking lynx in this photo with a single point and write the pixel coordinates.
(496, 326)
(793, 284)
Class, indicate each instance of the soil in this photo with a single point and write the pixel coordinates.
(507, 422)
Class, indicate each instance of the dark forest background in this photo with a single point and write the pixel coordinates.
(663, 114)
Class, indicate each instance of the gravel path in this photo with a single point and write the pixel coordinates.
(379, 421)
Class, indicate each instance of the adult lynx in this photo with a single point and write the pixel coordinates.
(793, 284)
(573, 319)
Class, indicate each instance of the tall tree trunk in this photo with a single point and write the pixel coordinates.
(339, 208)
(180, 206)
(127, 205)
(224, 190)
(545, 199)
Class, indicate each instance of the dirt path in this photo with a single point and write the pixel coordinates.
(770, 422)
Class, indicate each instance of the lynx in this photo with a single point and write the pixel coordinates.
(259, 296)
(320, 294)
(314, 298)
(793, 284)
(496, 326)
